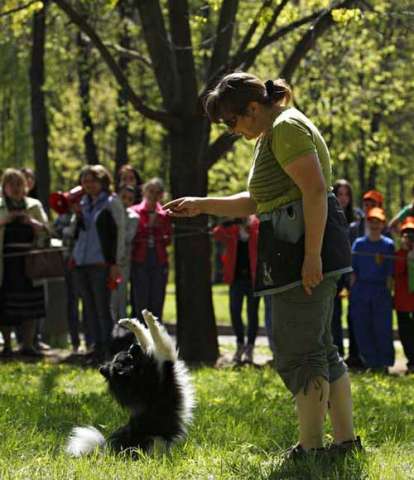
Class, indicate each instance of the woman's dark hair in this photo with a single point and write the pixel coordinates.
(134, 171)
(349, 210)
(100, 173)
(29, 173)
(128, 168)
(235, 91)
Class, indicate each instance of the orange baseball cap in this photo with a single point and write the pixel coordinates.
(373, 195)
(407, 224)
(377, 213)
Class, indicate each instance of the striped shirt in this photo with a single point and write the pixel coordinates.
(293, 135)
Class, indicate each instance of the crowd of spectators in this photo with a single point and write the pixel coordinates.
(382, 281)
(115, 240)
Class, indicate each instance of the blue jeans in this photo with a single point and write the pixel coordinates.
(238, 290)
(149, 280)
(371, 308)
(96, 297)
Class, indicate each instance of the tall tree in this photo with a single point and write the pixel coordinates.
(169, 42)
(122, 120)
(40, 130)
(85, 74)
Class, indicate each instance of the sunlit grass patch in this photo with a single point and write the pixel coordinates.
(244, 420)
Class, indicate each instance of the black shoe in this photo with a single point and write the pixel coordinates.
(349, 446)
(30, 352)
(355, 363)
(298, 453)
(7, 352)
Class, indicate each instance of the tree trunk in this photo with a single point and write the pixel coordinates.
(196, 328)
(40, 131)
(388, 193)
(122, 120)
(372, 176)
(84, 73)
(401, 182)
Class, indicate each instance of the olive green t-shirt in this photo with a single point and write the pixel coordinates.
(293, 135)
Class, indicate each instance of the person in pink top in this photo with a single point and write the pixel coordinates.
(149, 257)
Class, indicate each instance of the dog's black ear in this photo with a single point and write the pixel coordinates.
(104, 370)
(136, 351)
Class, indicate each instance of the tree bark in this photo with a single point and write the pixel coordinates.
(84, 74)
(122, 121)
(40, 130)
(401, 183)
(196, 328)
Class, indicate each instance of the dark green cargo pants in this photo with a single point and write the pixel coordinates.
(301, 326)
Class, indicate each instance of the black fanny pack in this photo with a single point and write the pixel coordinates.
(281, 247)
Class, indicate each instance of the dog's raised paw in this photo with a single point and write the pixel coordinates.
(139, 330)
(129, 323)
(149, 317)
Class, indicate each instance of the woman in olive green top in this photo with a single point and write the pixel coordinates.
(290, 173)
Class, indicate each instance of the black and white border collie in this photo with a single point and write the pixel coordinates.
(152, 384)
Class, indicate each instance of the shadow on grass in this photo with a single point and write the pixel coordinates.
(350, 467)
(48, 381)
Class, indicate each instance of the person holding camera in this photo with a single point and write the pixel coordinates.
(23, 225)
(404, 290)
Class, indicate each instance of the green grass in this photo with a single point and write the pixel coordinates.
(243, 421)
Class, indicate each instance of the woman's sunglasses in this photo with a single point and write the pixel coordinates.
(230, 122)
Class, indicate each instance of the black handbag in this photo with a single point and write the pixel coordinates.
(279, 262)
(44, 264)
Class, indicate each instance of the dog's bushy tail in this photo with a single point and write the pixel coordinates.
(84, 440)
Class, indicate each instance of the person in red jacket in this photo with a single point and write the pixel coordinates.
(239, 270)
(403, 297)
(149, 258)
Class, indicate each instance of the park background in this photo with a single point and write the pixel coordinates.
(114, 82)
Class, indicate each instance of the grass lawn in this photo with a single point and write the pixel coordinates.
(243, 421)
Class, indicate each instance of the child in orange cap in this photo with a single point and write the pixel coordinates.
(407, 211)
(404, 291)
(370, 301)
(371, 199)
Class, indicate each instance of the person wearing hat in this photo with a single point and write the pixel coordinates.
(370, 300)
(407, 211)
(370, 199)
(404, 291)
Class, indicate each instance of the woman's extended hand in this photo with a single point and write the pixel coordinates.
(184, 207)
(311, 272)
